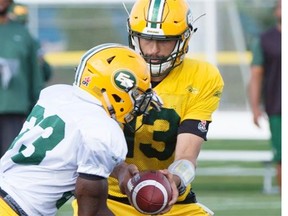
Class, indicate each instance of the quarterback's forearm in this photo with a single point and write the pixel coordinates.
(188, 147)
(186, 153)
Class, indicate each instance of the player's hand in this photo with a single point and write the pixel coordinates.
(257, 114)
(175, 192)
(125, 174)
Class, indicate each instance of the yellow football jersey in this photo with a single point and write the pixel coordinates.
(190, 91)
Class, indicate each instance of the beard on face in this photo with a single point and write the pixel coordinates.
(3, 12)
(4, 9)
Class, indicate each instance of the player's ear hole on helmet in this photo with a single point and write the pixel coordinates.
(116, 98)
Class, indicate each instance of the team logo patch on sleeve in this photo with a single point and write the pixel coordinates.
(202, 126)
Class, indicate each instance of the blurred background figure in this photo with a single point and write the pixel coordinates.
(19, 13)
(265, 83)
(20, 76)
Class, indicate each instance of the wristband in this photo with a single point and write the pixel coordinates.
(185, 170)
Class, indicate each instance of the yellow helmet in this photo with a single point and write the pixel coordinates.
(118, 77)
(18, 12)
(161, 20)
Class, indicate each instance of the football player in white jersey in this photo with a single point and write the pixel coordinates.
(72, 139)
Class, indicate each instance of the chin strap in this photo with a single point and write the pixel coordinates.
(110, 108)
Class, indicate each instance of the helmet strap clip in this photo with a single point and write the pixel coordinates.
(110, 108)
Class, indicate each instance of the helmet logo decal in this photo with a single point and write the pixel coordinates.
(86, 81)
(124, 80)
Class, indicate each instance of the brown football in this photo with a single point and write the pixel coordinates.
(150, 192)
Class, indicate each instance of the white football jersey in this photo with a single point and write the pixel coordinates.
(67, 132)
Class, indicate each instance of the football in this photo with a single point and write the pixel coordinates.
(150, 192)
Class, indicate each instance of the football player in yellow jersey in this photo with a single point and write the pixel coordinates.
(171, 139)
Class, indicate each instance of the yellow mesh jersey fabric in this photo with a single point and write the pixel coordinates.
(191, 91)
(5, 209)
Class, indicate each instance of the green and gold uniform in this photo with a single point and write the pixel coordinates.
(190, 92)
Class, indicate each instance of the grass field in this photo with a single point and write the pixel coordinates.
(230, 196)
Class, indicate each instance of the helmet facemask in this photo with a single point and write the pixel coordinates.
(164, 64)
(141, 102)
(161, 20)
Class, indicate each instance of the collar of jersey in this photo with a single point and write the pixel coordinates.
(86, 96)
